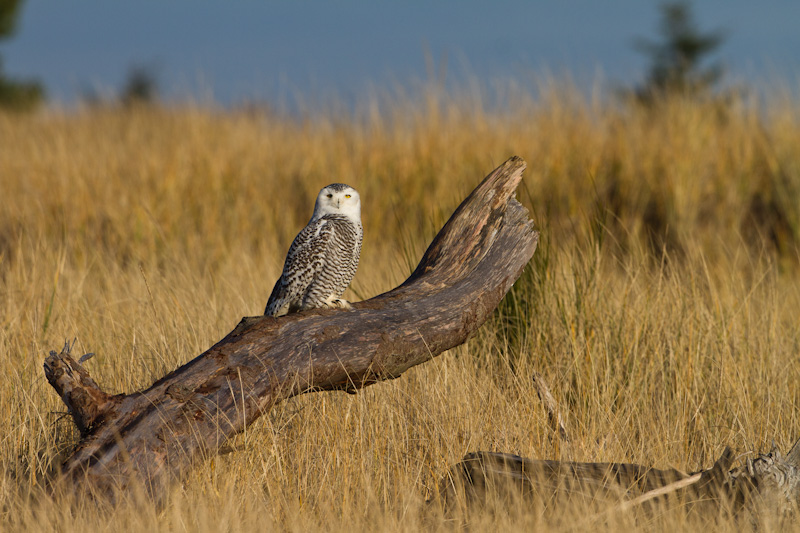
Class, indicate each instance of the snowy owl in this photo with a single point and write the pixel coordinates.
(323, 257)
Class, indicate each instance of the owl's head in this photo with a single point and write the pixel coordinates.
(340, 199)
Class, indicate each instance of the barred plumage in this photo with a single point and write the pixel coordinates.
(323, 257)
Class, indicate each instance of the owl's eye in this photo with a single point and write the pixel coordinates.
(330, 195)
(347, 196)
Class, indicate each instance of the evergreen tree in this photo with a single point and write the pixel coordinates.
(676, 60)
(15, 94)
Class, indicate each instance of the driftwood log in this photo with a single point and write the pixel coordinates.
(766, 485)
(154, 436)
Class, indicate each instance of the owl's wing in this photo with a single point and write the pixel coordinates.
(306, 257)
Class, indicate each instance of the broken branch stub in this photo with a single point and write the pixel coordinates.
(84, 399)
(154, 436)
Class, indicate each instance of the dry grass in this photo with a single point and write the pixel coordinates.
(663, 304)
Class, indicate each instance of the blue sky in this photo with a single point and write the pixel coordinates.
(256, 50)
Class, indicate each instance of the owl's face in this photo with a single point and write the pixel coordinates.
(338, 198)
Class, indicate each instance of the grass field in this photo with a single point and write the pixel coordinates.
(662, 306)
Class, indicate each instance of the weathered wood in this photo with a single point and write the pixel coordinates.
(86, 402)
(551, 406)
(154, 436)
(767, 485)
(482, 477)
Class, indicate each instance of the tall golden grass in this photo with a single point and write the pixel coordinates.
(662, 306)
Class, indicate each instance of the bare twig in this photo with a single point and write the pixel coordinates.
(661, 491)
(550, 405)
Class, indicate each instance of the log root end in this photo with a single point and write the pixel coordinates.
(86, 402)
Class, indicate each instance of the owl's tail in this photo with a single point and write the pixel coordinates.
(277, 300)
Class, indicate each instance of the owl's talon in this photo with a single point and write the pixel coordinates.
(341, 304)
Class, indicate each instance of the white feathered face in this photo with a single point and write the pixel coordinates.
(338, 198)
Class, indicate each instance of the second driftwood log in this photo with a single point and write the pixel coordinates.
(766, 485)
